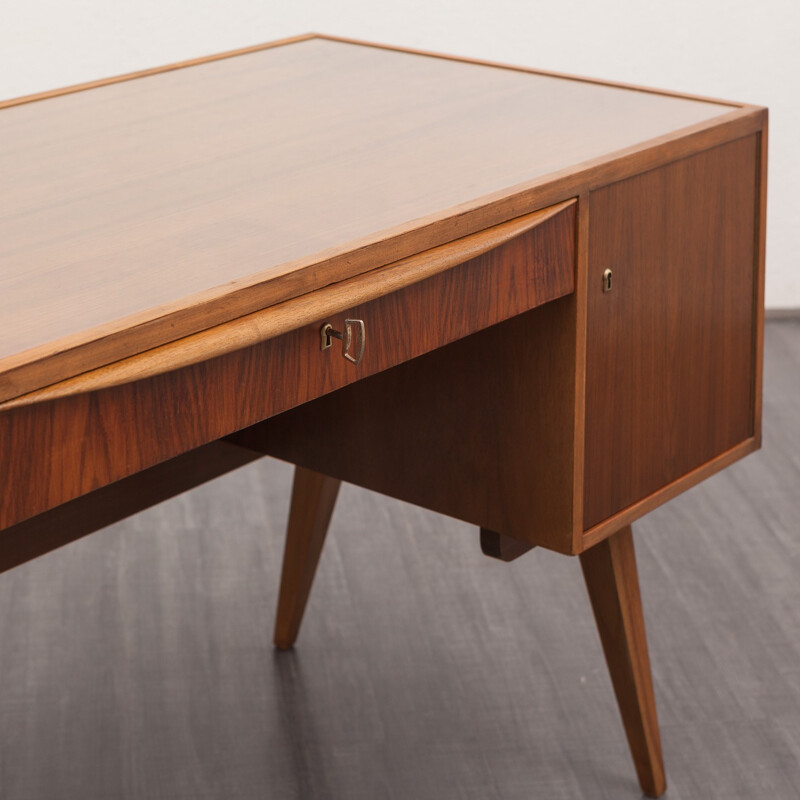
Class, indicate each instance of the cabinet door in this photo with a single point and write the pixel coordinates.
(670, 348)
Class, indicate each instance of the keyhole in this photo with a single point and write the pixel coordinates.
(607, 275)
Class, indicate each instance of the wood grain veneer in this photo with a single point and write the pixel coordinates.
(670, 350)
(481, 430)
(761, 272)
(190, 197)
(313, 499)
(91, 512)
(62, 448)
(612, 581)
(285, 317)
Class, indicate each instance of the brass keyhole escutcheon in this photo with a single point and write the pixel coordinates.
(354, 339)
(607, 277)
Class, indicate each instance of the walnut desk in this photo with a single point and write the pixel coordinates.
(529, 301)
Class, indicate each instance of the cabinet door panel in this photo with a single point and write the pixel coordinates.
(670, 349)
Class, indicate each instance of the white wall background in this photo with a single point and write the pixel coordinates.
(731, 49)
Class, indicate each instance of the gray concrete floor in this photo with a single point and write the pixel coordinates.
(137, 663)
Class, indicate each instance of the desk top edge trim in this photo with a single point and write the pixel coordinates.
(241, 51)
(149, 71)
(536, 71)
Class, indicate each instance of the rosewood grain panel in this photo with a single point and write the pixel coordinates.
(60, 449)
(670, 350)
(189, 197)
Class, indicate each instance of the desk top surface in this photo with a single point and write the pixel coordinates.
(143, 210)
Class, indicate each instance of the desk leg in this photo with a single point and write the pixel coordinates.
(609, 569)
(313, 498)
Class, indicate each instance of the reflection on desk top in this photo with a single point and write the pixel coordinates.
(142, 210)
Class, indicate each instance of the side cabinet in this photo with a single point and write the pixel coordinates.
(670, 361)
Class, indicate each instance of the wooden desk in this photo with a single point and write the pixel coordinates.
(556, 285)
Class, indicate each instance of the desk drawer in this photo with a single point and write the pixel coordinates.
(74, 437)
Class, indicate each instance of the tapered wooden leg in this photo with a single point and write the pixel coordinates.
(313, 499)
(609, 569)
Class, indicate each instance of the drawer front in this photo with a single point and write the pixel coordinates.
(59, 449)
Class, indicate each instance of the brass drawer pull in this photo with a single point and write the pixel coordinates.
(327, 332)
